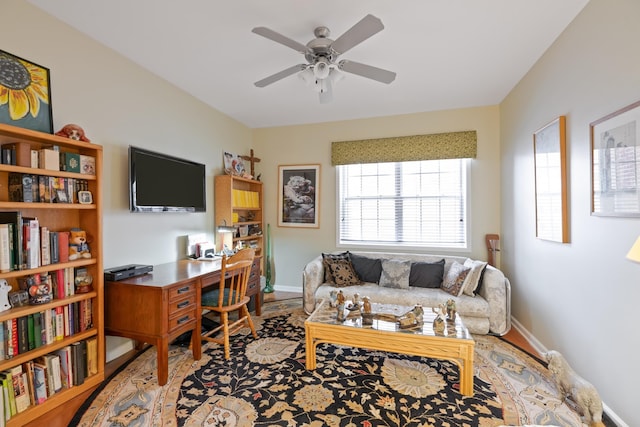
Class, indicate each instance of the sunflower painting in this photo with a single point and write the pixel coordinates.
(25, 96)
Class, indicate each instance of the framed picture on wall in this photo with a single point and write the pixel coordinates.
(27, 87)
(615, 163)
(298, 196)
(549, 147)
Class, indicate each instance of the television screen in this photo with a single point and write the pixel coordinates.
(163, 183)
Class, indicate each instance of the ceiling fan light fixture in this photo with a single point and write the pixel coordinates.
(307, 76)
(336, 75)
(321, 68)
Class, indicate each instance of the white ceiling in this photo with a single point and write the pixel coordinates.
(447, 53)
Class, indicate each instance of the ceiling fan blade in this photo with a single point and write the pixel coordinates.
(367, 71)
(368, 26)
(280, 75)
(279, 38)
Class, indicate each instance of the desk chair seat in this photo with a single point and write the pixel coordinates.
(236, 270)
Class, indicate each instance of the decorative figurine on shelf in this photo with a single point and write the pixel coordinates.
(333, 298)
(356, 299)
(39, 289)
(74, 132)
(438, 326)
(451, 310)
(367, 315)
(440, 311)
(366, 305)
(78, 247)
(419, 312)
(340, 305)
(4, 295)
(83, 281)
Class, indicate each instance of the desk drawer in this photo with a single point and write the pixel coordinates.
(179, 292)
(188, 303)
(181, 319)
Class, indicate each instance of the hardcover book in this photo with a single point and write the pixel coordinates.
(40, 382)
(78, 351)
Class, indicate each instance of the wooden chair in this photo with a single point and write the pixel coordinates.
(230, 296)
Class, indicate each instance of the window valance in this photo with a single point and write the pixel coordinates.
(450, 145)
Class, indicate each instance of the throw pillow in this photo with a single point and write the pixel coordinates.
(327, 259)
(473, 278)
(426, 274)
(368, 269)
(395, 274)
(343, 273)
(454, 279)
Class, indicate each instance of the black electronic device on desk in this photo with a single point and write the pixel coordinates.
(126, 271)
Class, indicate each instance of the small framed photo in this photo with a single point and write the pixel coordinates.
(61, 196)
(85, 197)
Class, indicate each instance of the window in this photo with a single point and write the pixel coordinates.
(415, 204)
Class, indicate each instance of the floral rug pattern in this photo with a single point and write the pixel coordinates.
(265, 383)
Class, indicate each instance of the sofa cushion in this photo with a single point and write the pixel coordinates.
(426, 274)
(454, 279)
(343, 273)
(368, 269)
(472, 280)
(327, 259)
(395, 274)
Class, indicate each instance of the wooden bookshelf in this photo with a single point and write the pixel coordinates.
(239, 203)
(57, 217)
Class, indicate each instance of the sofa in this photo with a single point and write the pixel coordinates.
(481, 292)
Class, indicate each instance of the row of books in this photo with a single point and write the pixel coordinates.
(51, 158)
(22, 334)
(24, 244)
(35, 381)
(24, 187)
(245, 198)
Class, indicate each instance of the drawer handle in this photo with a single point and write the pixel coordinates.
(184, 289)
(184, 304)
(183, 319)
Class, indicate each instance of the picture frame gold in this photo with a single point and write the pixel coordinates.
(299, 196)
(549, 147)
(28, 85)
(615, 163)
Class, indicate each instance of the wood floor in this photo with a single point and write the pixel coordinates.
(61, 416)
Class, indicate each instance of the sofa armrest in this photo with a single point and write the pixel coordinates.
(312, 278)
(496, 289)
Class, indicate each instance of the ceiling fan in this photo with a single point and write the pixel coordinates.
(323, 68)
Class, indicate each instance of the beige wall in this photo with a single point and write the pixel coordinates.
(119, 104)
(580, 298)
(309, 144)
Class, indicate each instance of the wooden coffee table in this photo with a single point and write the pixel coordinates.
(455, 343)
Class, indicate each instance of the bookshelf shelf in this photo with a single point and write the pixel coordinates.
(56, 217)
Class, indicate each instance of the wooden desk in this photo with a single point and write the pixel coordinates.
(157, 307)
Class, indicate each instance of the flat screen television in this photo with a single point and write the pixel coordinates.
(162, 183)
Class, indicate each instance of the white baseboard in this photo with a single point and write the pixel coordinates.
(288, 288)
(537, 345)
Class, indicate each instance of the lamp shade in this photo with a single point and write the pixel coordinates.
(634, 252)
(224, 228)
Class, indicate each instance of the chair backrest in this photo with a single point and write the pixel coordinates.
(236, 269)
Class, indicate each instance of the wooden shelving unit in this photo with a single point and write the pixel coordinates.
(243, 199)
(58, 217)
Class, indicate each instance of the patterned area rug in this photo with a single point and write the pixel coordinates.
(265, 383)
